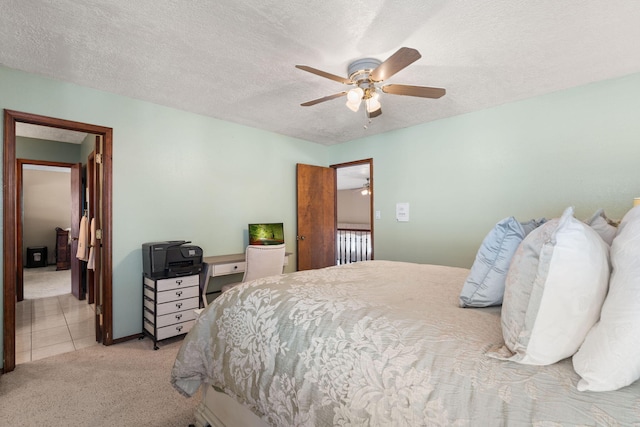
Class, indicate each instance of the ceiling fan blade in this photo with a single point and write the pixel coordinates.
(421, 91)
(324, 74)
(403, 57)
(323, 99)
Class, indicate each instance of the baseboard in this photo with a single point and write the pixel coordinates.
(129, 338)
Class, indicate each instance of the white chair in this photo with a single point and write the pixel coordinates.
(261, 261)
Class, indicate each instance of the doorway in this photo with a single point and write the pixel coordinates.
(317, 225)
(354, 211)
(52, 317)
(51, 201)
(12, 211)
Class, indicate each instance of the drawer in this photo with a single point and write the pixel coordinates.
(173, 295)
(168, 331)
(231, 268)
(173, 330)
(148, 326)
(170, 319)
(173, 306)
(173, 283)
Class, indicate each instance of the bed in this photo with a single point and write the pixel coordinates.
(374, 343)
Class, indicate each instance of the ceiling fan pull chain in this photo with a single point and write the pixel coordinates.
(367, 119)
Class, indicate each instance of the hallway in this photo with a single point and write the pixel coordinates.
(52, 324)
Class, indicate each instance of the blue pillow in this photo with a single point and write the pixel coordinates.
(484, 286)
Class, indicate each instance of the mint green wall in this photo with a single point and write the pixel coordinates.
(528, 159)
(87, 146)
(183, 176)
(40, 149)
(176, 175)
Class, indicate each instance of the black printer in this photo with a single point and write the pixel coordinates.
(171, 259)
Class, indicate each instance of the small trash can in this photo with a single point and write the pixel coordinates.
(36, 256)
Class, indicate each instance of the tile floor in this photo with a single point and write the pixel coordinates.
(53, 325)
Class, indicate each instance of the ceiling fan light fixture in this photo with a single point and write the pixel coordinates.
(353, 106)
(355, 95)
(366, 188)
(373, 104)
(354, 98)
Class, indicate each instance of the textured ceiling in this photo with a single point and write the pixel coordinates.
(234, 59)
(49, 133)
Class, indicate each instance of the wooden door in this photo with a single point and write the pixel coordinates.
(91, 207)
(19, 243)
(76, 213)
(97, 205)
(316, 200)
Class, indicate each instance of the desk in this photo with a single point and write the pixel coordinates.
(223, 265)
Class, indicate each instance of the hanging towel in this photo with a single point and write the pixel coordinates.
(91, 264)
(83, 250)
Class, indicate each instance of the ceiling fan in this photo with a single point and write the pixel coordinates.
(365, 190)
(366, 74)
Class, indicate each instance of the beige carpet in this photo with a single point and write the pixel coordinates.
(46, 282)
(124, 384)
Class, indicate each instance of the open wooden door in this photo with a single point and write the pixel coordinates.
(316, 200)
(96, 182)
(76, 213)
(91, 205)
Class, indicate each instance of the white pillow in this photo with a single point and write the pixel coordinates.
(603, 226)
(554, 291)
(484, 286)
(610, 356)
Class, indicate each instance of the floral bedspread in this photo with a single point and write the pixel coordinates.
(378, 343)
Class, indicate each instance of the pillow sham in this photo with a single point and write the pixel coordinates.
(554, 291)
(484, 286)
(609, 358)
(603, 226)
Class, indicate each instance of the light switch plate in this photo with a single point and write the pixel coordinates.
(402, 212)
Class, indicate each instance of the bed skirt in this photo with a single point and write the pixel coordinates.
(219, 410)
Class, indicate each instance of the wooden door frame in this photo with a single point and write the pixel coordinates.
(369, 162)
(10, 222)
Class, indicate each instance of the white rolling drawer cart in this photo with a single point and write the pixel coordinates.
(168, 306)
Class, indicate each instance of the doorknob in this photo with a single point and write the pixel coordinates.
(299, 237)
